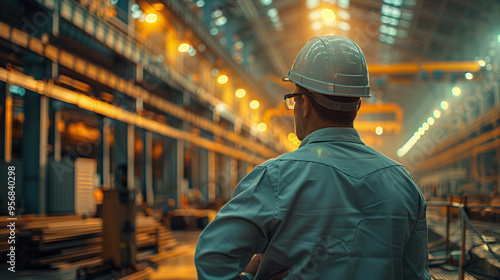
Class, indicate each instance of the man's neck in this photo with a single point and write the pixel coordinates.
(315, 125)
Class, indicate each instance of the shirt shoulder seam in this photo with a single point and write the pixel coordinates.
(389, 166)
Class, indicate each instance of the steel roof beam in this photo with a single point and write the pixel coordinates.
(180, 9)
(252, 15)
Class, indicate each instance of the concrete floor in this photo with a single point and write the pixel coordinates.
(180, 267)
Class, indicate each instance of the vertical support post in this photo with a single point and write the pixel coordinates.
(211, 176)
(34, 154)
(130, 157)
(44, 137)
(8, 125)
(203, 171)
(121, 155)
(106, 161)
(496, 93)
(57, 136)
(148, 166)
(234, 174)
(464, 234)
(180, 169)
(195, 167)
(448, 217)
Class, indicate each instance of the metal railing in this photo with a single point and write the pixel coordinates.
(464, 221)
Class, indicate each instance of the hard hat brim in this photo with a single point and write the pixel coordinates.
(327, 88)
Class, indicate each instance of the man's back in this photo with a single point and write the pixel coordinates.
(346, 210)
(333, 209)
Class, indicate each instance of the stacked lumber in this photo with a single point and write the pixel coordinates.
(64, 242)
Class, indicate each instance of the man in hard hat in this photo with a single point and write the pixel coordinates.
(334, 208)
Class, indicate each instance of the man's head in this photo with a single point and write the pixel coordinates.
(331, 73)
(310, 115)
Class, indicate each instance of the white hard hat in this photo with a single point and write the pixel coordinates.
(331, 65)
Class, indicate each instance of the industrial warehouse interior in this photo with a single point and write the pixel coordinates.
(127, 125)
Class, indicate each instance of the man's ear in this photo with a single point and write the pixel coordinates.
(307, 106)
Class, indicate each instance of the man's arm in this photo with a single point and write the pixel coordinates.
(416, 256)
(240, 229)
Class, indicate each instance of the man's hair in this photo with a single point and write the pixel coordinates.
(329, 115)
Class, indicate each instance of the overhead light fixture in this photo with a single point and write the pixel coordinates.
(328, 15)
(391, 11)
(389, 20)
(344, 4)
(214, 31)
(184, 47)
(379, 130)
(272, 12)
(317, 25)
(436, 114)
(388, 30)
(400, 153)
(344, 26)
(220, 21)
(222, 79)
(311, 4)
(254, 104)
(151, 18)
(315, 15)
(266, 2)
(481, 63)
(430, 120)
(238, 45)
(469, 76)
(262, 127)
(134, 7)
(191, 51)
(444, 105)
(344, 15)
(387, 39)
(394, 2)
(217, 13)
(136, 14)
(200, 3)
(456, 91)
(240, 93)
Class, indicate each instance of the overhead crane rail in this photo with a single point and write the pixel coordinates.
(419, 67)
(88, 103)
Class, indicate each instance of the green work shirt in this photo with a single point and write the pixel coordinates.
(333, 209)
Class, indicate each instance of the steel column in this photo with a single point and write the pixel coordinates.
(148, 167)
(211, 176)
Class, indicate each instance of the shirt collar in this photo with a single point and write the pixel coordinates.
(333, 134)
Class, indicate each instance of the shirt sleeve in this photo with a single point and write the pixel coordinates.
(416, 253)
(241, 229)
